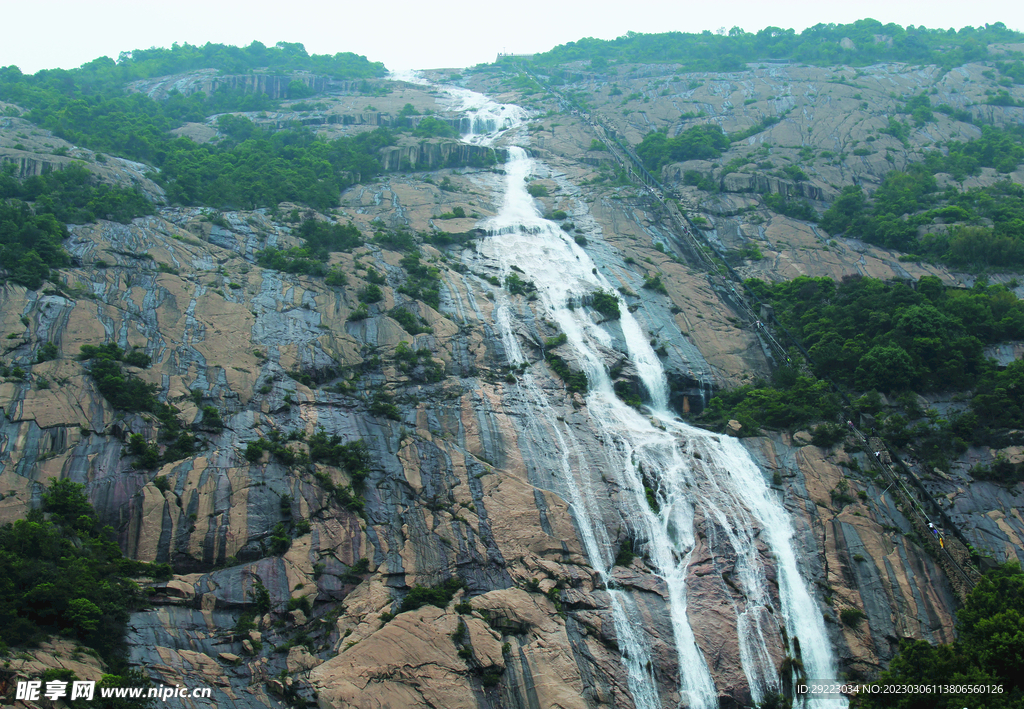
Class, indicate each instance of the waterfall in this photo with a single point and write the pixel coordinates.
(687, 470)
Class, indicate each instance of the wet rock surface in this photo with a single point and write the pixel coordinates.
(465, 476)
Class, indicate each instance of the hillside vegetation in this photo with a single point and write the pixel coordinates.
(872, 42)
(272, 349)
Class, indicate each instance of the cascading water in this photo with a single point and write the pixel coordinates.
(693, 472)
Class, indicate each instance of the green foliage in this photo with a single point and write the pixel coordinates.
(370, 293)
(818, 45)
(703, 142)
(419, 364)
(439, 596)
(867, 334)
(147, 454)
(877, 337)
(625, 391)
(988, 651)
(423, 281)
(90, 106)
(430, 127)
(46, 352)
(383, 404)
(654, 283)
(212, 419)
(920, 109)
(696, 179)
(897, 129)
(537, 190)
(624, 556)
(29, 244)
(574, 381)
(607, 304)
(74, 195)
(793, 400)
(1001, 471)
(556, 341)
(517, 286)
(336, 277)
(1014, 71)
(137, 358)
(254, 167)
(998, 403)
(355, 572)
(360, 313)
(127, 392)
(908, 201)
(795, 208)
(64, 575)
(851, 617)
(409, 322)
(321, 239)
(295, 260)
(353, 457)
(260, 598)
(276, 445)
(280, 540)
(827, 435)
(402, 239)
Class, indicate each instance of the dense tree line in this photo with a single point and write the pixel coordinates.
(74, 195)
(33, 214)
(872, 337)
(976, 228)
(703, 142)
(867, 334)
(982, 227)
(989, 651)
(254, 167)
(320, 239)
(104, 74)
(64, 575)
(92, 107)
(818, 45)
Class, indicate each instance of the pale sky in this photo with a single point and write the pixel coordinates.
(425, 34)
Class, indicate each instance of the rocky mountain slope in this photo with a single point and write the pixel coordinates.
(294, 570)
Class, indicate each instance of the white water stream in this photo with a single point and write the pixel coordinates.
(692, 472)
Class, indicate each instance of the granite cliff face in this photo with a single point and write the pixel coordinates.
(470, 473)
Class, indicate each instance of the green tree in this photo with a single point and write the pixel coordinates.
(989, 651)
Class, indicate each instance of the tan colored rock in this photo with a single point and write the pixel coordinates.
(58, 654)
(299, 660)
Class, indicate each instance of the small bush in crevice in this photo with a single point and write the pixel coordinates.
(383, 404)
(439, 596)
(574, 381)
(852, 617)
(625, 555)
